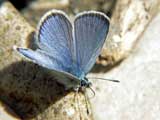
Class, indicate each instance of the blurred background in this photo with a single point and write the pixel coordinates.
(72, 7)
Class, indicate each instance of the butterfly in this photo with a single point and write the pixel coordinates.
(69, 50)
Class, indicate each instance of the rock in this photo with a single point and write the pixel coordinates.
(40, 7)
(128, 22)
(30, 90)
(6, 113)
(99, 5)
(137, 96)
(71, 7)
(14, 30)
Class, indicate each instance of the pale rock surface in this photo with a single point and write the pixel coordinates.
(137, 96)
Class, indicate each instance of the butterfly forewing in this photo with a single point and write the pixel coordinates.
(91, 29)
(54, 36)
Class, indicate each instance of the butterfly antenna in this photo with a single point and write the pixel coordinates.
(112, 80)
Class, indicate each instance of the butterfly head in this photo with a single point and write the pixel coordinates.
(85, 83)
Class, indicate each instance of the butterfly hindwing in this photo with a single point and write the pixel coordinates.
(42, 58)
(47, 61)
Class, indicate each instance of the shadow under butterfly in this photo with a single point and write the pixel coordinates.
(69, 50)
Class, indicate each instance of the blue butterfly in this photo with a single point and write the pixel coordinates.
(70, 51)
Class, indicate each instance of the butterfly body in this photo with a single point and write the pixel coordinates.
(69, 51)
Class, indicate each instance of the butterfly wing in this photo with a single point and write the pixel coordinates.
(54, 36)
(91, 29)
(54, 40)
(63, 54)
(44, 59)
